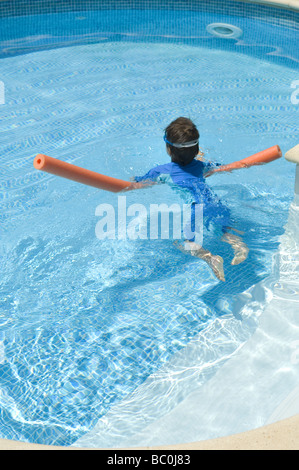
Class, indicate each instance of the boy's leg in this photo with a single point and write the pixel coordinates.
(214, 261)
(240, 248)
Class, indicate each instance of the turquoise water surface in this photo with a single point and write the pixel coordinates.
(83, 321)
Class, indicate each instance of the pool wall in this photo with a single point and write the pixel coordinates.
(293, 156)
(280, 434)
(29, 7)
(44, 25)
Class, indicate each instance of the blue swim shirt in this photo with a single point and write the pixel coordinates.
(189, 180)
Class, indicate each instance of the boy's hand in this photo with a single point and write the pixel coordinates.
(144, 184)
(209, 173)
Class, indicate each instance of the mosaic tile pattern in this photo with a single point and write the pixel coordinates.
(34, 7)
(134, 22)
(69, 348)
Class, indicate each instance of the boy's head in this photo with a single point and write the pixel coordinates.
(181, 137)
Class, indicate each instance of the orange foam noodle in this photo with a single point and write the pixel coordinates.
(97, 180)
(260, 158)
(80, 175)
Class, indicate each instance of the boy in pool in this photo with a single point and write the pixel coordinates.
(186, 172)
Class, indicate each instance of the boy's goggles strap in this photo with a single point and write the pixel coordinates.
(192, 143)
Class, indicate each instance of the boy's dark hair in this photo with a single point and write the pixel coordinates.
(181, 131)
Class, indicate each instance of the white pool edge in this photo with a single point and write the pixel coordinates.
(282, 435)
(289, 4)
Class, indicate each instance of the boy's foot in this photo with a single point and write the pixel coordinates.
(216, 263)
(241, 250)
(241, 254)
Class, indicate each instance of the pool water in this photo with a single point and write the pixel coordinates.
(84, 322)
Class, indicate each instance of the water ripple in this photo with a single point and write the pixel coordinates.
(83, 323)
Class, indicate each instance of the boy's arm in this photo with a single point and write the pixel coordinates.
(209, 168)
(140, 184)
(149, 179)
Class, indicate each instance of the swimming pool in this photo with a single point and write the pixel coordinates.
(91, 330)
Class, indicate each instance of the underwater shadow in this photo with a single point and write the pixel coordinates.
(151, 266)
